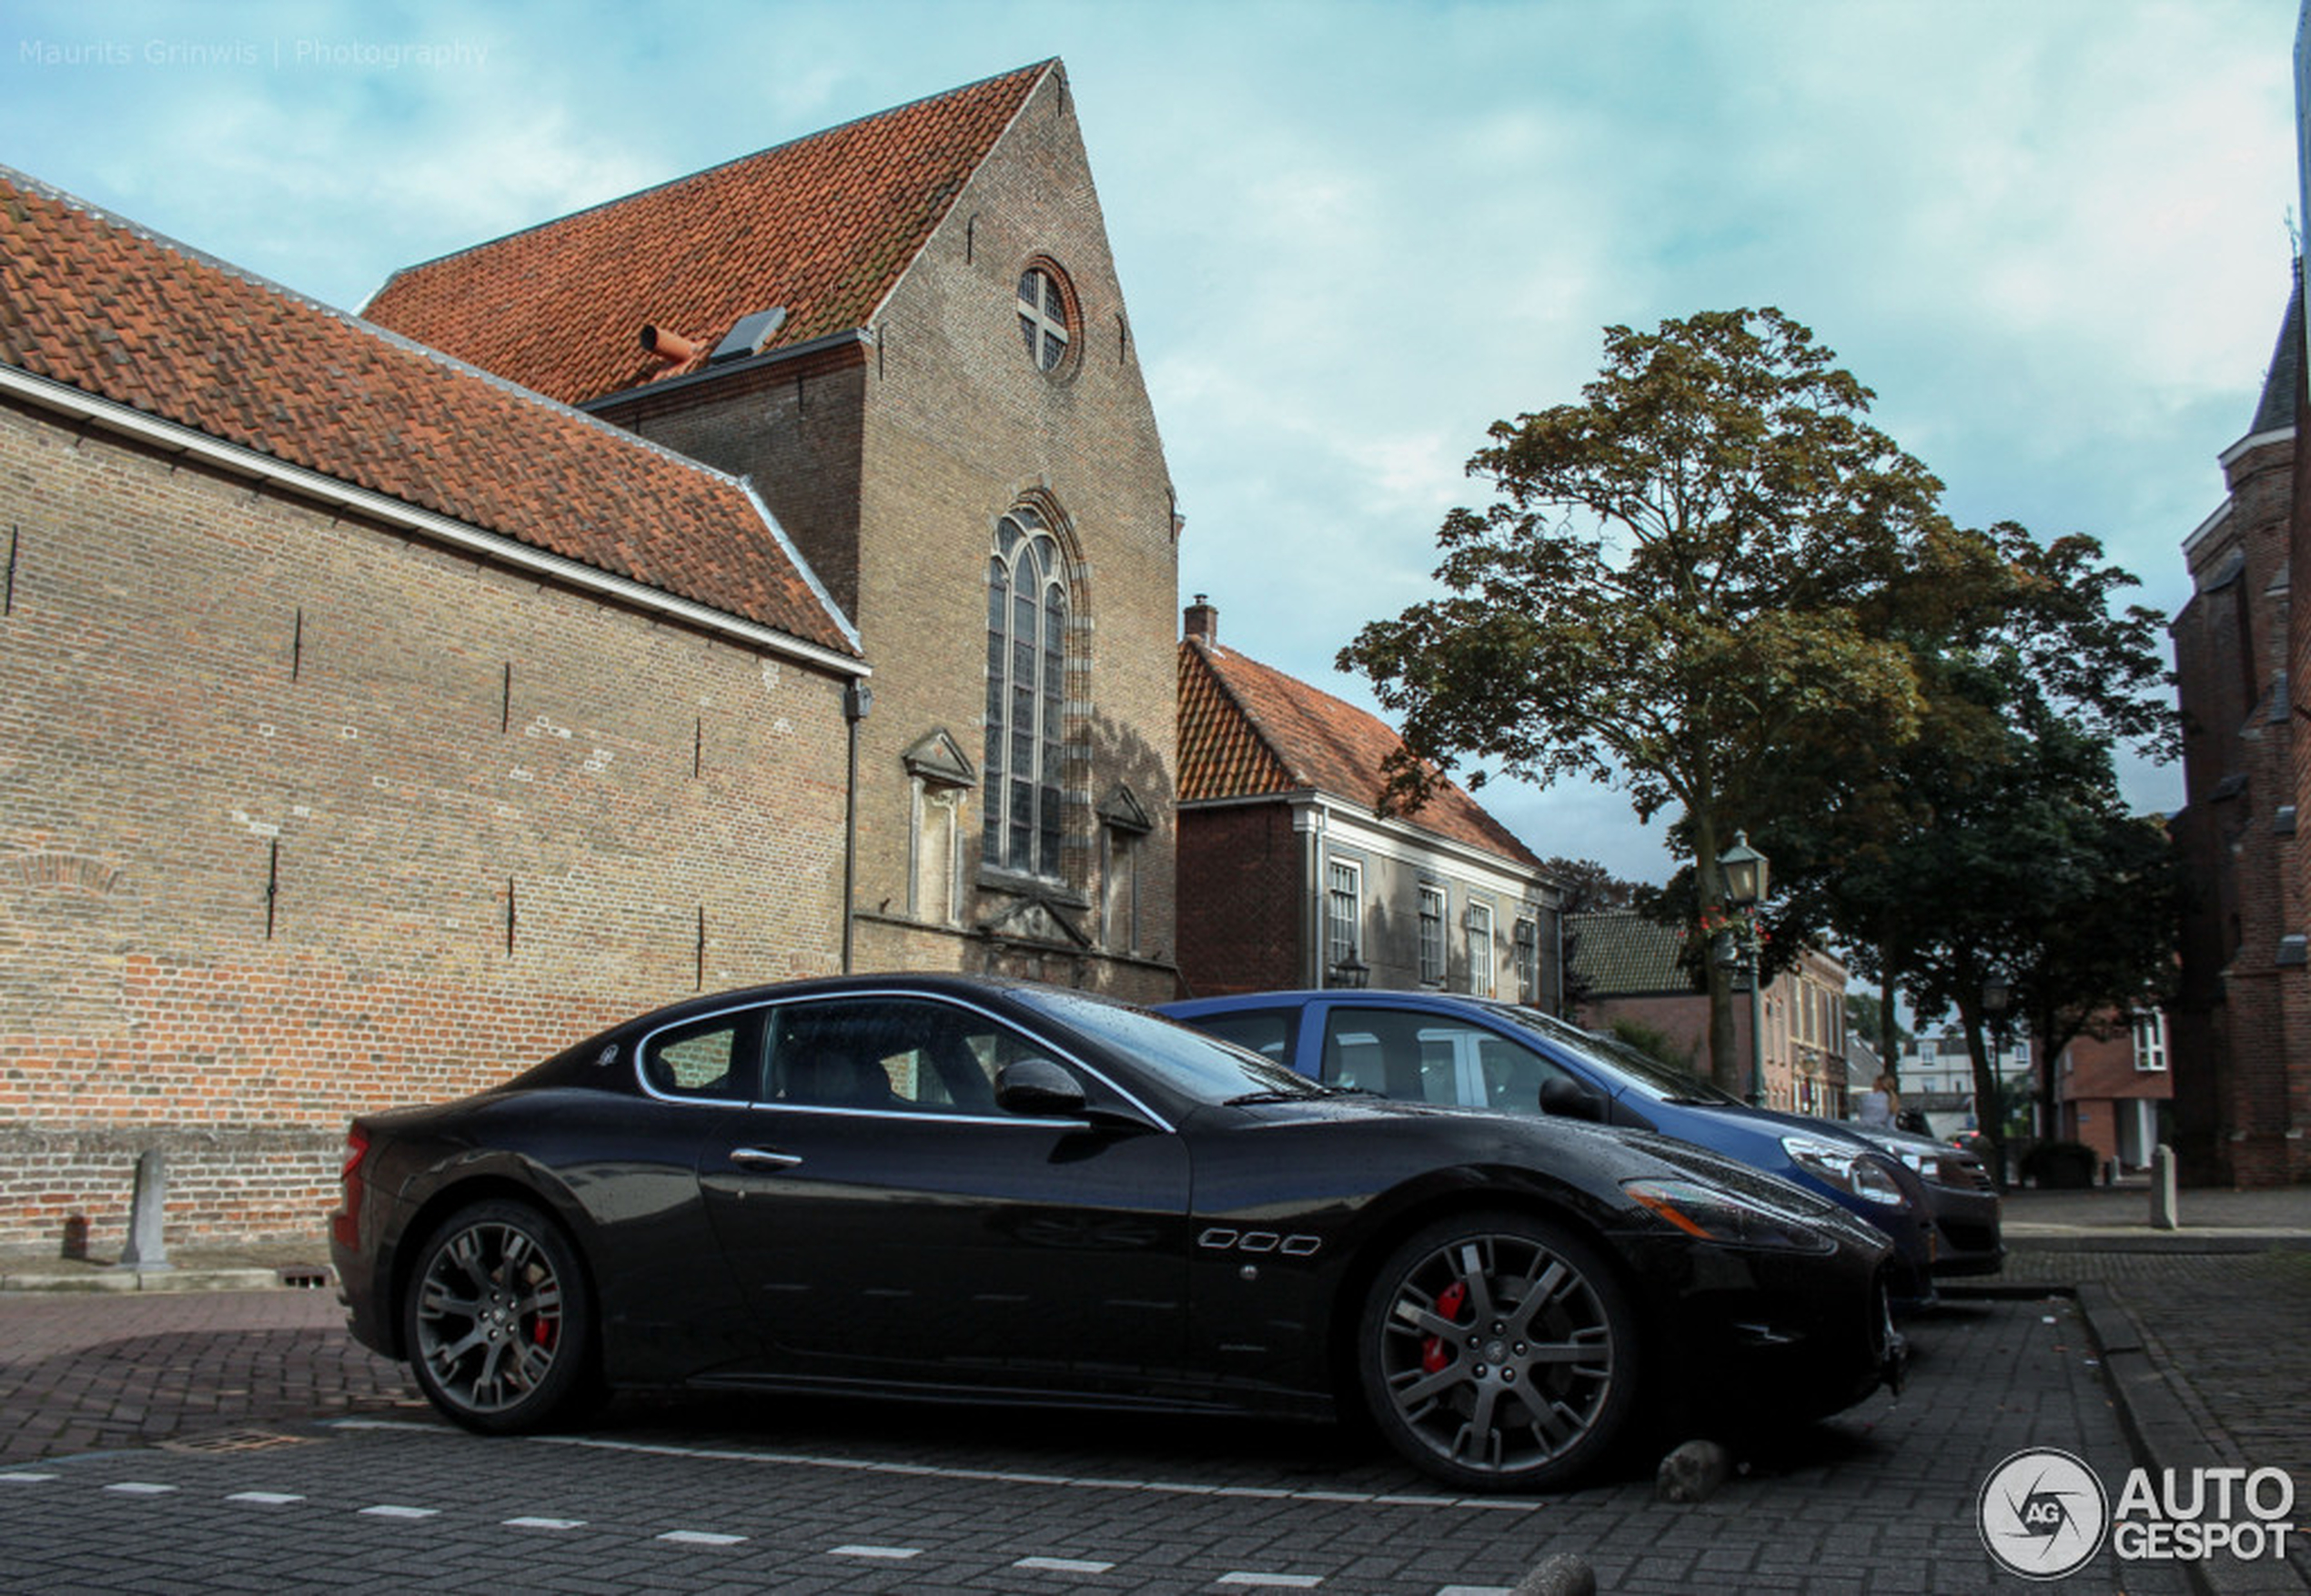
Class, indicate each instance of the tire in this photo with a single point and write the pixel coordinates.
(1498, 1351)
(497, 1320)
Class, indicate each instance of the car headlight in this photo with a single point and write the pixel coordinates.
(1710, 1213)
(1844, 1167)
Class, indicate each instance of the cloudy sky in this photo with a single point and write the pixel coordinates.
(2053, 234)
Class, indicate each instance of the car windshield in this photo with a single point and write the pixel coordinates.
(1663, 1081)
(1189, 1061)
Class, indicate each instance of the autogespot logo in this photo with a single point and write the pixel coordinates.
(2042, 1514)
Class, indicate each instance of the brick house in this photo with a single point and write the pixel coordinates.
(2110, 1086)
(908, 335)
(1627, 966)
(2240, 1024)
(1290, 876)
(372, 729)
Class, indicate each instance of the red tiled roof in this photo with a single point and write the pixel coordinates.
(92, 302)
(820, 228)
(1246, 730)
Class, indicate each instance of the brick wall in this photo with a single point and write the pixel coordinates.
(889, 464)
(300, 817)
(1242, 902)
(2240, 1030)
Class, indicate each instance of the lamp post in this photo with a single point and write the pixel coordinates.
(1351, 972)
(1997, 999)
(1745, 871)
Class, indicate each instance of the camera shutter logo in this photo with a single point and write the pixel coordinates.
(2042, 1514)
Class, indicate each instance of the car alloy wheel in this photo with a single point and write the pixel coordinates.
(1498, 1352)
(495, 1318)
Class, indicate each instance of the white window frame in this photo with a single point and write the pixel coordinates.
(1343, 932)
(1480, 949)
(1434, 958)
(2150, 1041)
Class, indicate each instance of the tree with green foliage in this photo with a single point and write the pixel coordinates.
(1684, 582)
(1996, 841)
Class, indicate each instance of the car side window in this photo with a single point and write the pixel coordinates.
(711, 1060)
(1510, 1074)
(1388, 1051)
(899, 1055)
(1432, 1058)
(1267, 1032)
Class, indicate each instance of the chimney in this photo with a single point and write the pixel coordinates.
(1202, 621)
(668, 346)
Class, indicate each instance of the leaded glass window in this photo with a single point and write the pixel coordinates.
(1026, 695)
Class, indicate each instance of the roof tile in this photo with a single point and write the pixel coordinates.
(822, 228)
(93, 302)
(1246, 730)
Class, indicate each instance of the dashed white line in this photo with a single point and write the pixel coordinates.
(934, 1472)
(395, 1510)
(1064, 1565)
(139, 1488)
(890, 1553)
(701, 1538)
(25, 1477)
(265, 1499)
(1273, 1582)
(534, 1524)
(1477, 1590)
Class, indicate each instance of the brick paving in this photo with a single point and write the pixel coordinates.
(164, 1441)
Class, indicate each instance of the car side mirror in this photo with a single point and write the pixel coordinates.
(1038, 1089)
(1570, 1100)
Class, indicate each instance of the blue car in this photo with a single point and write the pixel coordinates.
(1477, 1053)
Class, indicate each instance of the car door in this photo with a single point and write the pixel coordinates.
(887, 1220)
(1425, 1055)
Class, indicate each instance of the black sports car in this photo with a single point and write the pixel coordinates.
(1004, 1192)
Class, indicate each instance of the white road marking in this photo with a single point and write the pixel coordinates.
(1477, 1590)
(25, 1477)
(1063, 1565)
(892, 1553)
(139, 1488)
(268, 1499)
(701, 1538)
(393, 1510)
(544, 1523)
(1274, 1581)
(934, 1472)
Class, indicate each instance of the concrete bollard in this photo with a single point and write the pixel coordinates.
(2165, 1216)
(146, 1248)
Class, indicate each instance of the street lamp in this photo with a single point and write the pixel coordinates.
(1997, 1000)
(1351, 972)
(1745, 871)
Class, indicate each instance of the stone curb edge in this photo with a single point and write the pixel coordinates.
(173, 1279)
(2158, 1425)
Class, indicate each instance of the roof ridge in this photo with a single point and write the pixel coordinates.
(506, 385)
(723, 166)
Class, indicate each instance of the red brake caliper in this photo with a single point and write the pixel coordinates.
(542, 1332)
(1434, 1353)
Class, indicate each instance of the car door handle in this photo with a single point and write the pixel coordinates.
(763, 1159)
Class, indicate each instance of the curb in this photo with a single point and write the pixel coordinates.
(119, 1278)
(2161, 1430)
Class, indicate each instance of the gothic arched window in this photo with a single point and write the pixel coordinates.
(1026, 694)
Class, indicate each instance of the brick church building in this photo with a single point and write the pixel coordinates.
(764, 575)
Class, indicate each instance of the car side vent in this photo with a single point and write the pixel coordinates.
(749, 335)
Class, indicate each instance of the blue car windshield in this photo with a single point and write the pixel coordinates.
(1633, 1067)
(1194, 1065)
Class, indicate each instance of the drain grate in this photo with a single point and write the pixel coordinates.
(235, 1440)
(311, 1276)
